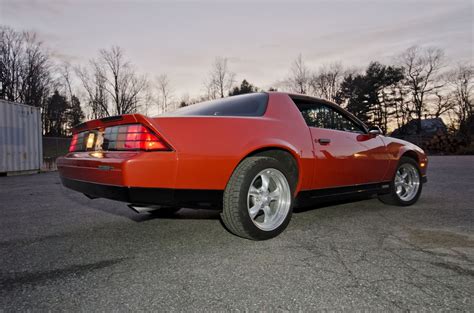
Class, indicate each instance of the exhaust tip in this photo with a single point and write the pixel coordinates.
(141, 208)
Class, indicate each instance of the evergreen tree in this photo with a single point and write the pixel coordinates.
(368, 95)
(75, 115)
(56, 115)
(245, 87)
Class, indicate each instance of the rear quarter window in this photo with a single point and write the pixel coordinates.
(254, 104)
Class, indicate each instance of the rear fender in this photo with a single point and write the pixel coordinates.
(278, 144)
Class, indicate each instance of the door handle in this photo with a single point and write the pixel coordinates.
(324, 141)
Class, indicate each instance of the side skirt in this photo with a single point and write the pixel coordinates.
(310, 197)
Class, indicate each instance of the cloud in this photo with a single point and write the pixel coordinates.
(64, 57)
(12, 8)
(261, 40)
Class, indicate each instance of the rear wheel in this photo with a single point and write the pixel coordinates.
(258, 198)
(405, 188)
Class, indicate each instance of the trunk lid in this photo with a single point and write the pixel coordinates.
(116, 133)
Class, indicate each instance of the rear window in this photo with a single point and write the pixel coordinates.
(254, 104)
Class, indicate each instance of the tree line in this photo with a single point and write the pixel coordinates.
(419, 83)
(28, 75)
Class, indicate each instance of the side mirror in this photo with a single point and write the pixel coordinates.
(375, 130)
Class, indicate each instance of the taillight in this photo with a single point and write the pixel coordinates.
(77, 142)
(72, 146)
(132, 137)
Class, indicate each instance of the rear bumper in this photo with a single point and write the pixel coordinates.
(140, 169)
(141, 178)
(120, 193)
(209, 199)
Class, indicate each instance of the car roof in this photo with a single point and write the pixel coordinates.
(300, 96)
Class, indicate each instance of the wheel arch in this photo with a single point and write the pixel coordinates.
(411, 154)
(404, 151)
(281, 153)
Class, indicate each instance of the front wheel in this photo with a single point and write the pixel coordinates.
(405, 188)
(258, 198)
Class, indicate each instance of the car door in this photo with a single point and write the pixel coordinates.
(344, 153)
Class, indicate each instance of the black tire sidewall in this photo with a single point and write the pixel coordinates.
(260, 165)
(395, 196)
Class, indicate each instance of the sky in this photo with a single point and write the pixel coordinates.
(260, 38)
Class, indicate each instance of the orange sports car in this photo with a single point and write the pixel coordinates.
(253, 157)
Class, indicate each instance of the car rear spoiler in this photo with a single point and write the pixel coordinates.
(114, 121)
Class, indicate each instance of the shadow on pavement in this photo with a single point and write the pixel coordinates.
(121, 209)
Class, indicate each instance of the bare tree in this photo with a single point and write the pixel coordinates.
(94, 85)
(165, 92)
(25, 68)
(399, 94)
(300, 76)
(74, 113)
(422, 66)
(210, 90)
(461, 80)
(327, 81)
(121, 81)
(443, 104)
(11, 54)
(36, 74)
(148, 101)
(461, 83)
(220, 79)
(65, 72)
(111, 84)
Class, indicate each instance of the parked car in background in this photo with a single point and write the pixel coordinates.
(253, 157)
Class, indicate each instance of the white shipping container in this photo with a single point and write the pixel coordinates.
(20, 138)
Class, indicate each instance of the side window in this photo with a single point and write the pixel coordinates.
(322, 116)
(317, 116)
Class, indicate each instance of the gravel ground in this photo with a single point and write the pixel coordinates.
(60, 251)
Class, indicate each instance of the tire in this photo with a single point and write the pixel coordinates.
(252, 211)
(411, 167)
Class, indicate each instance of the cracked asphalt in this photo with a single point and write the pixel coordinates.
(60, 251)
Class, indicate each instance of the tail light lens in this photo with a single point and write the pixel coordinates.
(77, 142)
(132, 137)
(123, 137)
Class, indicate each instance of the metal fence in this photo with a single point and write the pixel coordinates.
(53, 147)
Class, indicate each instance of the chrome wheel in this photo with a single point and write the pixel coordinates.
(269, 199)
(407, 182)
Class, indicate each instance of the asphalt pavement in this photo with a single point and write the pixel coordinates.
(60, 251)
